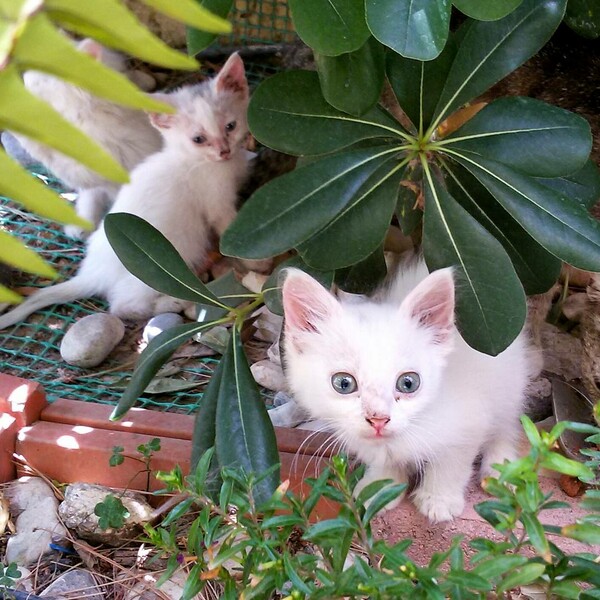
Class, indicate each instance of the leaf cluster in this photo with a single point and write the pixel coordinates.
(274, 548)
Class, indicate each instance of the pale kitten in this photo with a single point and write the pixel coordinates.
(124, 132)
(188, 191)
(395, 382)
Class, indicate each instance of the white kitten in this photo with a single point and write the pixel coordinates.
(124, 132)
(396, 383)
(187, 191)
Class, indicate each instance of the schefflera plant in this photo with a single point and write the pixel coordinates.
(504, 198)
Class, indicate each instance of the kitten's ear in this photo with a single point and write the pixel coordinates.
(431, 304)
(232, 77)
(91, 47)
(163, 120)
(306, 303)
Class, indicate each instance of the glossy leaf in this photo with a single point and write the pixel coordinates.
(43, 48)
(272, 286)
(418, 84)
(151, 257)
(583, 16)
(198, 39)
(486, 11)
(245, 437)
(19, 185)
(537, 269)
(490, 301)
(288, 113)
(330, 27)
(491, 50)
(191, 13)
(559, 224)
(531, 136)
(583, 186)
(151, 360)
(536, 534)
(363, 277)
(381, 499)
(290, 209)
(352, 82)
(113, 25)
(413, 28)
(16, 254)
(22, 112)
(522, 576)
(562, 464)
(360, 227)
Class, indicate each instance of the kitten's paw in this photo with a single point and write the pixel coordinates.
(438, 507)
(75, 232)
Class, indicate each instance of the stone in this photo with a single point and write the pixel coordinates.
(33, 503)
(269, 375)
(146, 588)
(267, 325)
(77, 513)
(91, 339)
(74, 584)
(160, 323)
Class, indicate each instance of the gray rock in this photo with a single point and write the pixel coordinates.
(14, 149)
(77, 513)
(160, 323)
(33, 503)
(91, 339)
(76, 583)
(269, 375)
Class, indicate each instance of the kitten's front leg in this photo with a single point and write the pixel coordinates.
(377, 472)
(441, 494)
(92, 204)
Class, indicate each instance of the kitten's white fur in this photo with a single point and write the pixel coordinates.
(124, 132)
(186, 190)
(468, 402)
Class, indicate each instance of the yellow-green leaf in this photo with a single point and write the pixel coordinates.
(109, 22)
(191, 13)
(43, 48)
(7, 295)
(14, 253)
(17, 184)
(22, 112)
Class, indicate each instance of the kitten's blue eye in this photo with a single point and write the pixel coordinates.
(230, 126)
(199, 139)
(344, 383)
(408, 383)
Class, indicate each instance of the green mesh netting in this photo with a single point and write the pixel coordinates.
(259, 22)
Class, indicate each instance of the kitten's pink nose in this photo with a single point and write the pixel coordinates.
(225, 153)
(377, 423)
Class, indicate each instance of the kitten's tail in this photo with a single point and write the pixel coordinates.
(73, 289)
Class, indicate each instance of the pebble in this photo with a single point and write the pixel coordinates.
(156, 325)
(91, 339)
(77, 513)
(33, 503)
(75, 584)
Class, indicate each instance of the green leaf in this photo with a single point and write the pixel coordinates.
(560, 225)
(490, 300)
(363, 277)
(536, 534)
(340, 26)
(290, 209)
(537, 269)
(364, 220)
(583, 186)
(19, 185)
(486, 11)
(382, 499)
(43, 48)
(523, 576)
(272, 286)
(245, 437)
(16, 254)
(111, 512)
(498, 565)
(9, 296)
(491, 50)
(152, 358)
(113, 25)
(191, 13)
(151, 257)
(418, 84)
(526, 134)
(352, 82)
(197, 39)
(23, 113)
(531, 431)
(583, 16)
(288, 112)
(327, 530)
(562, 464)
(584, 532)
(194, 584)
(413, 28)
